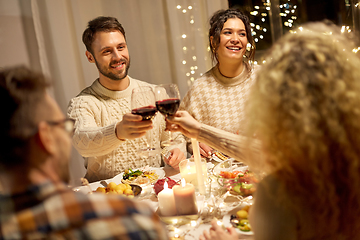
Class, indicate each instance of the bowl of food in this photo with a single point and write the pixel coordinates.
(129, 190)
(236, 180)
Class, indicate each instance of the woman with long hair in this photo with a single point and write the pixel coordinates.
(305, 109)
(217, 97)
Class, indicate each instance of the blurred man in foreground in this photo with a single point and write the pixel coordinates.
(35, 202)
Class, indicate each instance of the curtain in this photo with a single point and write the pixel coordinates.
(167, 40)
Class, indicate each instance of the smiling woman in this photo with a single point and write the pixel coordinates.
(217, 98)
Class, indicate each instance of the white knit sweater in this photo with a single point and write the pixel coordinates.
(97, 110)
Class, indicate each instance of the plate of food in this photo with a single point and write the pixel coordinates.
(238, 218)
(129, 190)
(140, 176)
(236, 180)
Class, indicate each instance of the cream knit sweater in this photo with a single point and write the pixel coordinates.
(97, 110)
(218, 101)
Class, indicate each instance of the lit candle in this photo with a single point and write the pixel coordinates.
(189, 173)
(199, 174)
(185, 200)
(167, 201)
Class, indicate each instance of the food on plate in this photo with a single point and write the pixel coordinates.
(238, 182)
(139, 177)
(113, 188)
(221, 155)
(159, 185)
(240, 220)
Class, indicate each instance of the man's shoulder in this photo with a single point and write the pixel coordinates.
(138, 82)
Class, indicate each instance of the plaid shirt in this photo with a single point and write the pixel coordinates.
(53, 211)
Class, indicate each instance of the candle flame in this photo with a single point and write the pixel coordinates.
(183, 183)
(165, 185)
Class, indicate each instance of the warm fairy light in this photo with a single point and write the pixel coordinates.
(263, 19)
(252, 24)
(256, 7)
(261, 36)
(264, 29)
(193, 223)
(196, 67)
(254, 13)
(192, 21)
(355, 50)
(184, 10)
(301, 28)
(183, 62)
(192, 79)
(184, 48)
(257, 27)
(178, 6)
(187, 74)
(194, 58)
(183, 36)
(189, 7)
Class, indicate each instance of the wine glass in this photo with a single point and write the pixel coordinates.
(167, 102)
(143, 104)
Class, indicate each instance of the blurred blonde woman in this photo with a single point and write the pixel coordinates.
(305, 109)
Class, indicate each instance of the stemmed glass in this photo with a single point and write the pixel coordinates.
(167, 102)
(143, 104)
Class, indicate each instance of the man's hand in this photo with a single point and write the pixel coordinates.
(175, 158)
(132, 127)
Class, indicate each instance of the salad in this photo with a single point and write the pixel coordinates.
(238, 182)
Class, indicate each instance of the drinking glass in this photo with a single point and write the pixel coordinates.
(167, 102)
(143, 104)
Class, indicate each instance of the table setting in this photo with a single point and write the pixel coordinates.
(186, 200)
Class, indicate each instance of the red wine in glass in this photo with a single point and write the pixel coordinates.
(147, 112)
(167, 102)
(143, 104)
(168, 107)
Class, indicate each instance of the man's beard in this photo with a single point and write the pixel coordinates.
(104, 70)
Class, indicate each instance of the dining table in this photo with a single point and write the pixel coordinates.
(213, 207)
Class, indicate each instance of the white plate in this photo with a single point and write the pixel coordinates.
(117, 179)
(226, 221)
(93, 186)
(159, 171)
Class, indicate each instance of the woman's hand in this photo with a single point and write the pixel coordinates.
(183, 122)
(218, 233)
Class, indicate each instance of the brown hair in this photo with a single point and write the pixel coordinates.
(305, 107)
(21, 91)
(100, 24)
(216, 25)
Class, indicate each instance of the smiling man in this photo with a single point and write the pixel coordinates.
(106, 134)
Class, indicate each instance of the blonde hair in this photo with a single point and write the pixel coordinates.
(305, 108)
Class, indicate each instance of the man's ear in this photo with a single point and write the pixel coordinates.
(45, 138)
(89, 56)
